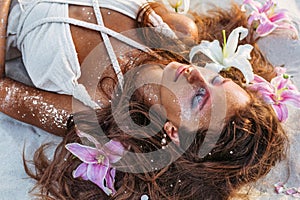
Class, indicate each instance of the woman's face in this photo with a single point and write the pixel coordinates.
(193, 97)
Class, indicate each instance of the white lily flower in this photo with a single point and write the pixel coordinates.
(231, 55)
(180, 6)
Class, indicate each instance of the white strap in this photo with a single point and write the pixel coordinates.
(79, 92)
(109, 47)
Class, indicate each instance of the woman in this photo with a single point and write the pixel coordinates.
(248, 144)
(162, 156)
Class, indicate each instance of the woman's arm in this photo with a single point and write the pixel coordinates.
(45, 110)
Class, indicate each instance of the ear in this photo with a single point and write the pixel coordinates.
(172, 132)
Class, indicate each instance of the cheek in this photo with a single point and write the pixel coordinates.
(169, 102)
(200, 120)
(186, 113)
(236, 97)
(177, 111)
(213, 115)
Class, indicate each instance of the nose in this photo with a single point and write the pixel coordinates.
(181, 69)
(193, 76)
(188, 69)
(190, 72)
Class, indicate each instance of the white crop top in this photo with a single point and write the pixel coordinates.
(40, 29)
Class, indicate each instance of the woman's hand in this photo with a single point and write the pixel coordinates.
(180, 23)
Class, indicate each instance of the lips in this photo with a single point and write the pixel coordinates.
(204, 101)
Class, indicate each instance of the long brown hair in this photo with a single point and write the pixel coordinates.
(250, 144)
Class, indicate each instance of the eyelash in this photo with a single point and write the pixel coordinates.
(198, 97)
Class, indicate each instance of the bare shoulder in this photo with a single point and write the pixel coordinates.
(86, 40)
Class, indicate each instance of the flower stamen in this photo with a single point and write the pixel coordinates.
(100, 159)
(225, 54)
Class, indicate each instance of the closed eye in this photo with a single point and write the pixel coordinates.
(219, 80)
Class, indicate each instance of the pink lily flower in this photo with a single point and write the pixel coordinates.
(266, 19)
(96, 166)
(281, 188)
(280, 92)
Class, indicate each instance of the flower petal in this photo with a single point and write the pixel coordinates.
(110, 179)
(280, 70)
(240, 61)
(253, 17)
(262, 88)
(84, 153)
(281, 111)
(279, 187)
(267, 6)
(184, 8)
(259, 79)
(233, 39)
(268, 98)
(291, 86)
(279, 82)
(279, 16)
(261, 85)
(87, 136)
(174, 3)
(181, 6)
(96, 173)
(114, 151)
(254, 4)
(290, 191)
(288, 26)
(291, 97)
(214, 67)
(244, 66)
(244, 51)
(212, 50)
(265, 27)
(81, 171)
